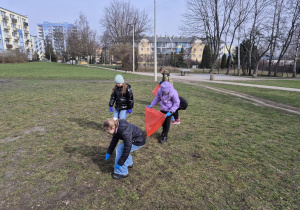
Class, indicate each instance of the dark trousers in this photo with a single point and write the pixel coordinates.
(166, 124)
(176, 115)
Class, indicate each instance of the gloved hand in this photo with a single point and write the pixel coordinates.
(149, 106)
(111, 109)
(129, 111)
(168, 114)
(159, 82)
(107, 156)
(117, 166)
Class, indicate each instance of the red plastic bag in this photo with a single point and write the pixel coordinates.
(153, 120)
(154, 91)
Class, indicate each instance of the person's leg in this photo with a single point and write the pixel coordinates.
(129, 161)
(123, 169)
(123, 114)
(166, 127)
(116, 114)
(175, 114)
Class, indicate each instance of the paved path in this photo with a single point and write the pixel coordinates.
(219, 78)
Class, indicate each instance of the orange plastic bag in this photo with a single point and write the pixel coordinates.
(154, 91)
(153, 120)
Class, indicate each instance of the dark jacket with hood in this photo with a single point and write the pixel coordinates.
(122, 102)
(130, 134)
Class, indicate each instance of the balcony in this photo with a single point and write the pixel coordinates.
(14, 29)
(25, 23)
(26, 31)
(6, 27)
(16, 38)
(9, 46)
(5, 17)
(14, 20)
(7, 36)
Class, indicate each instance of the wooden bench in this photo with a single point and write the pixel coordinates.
(183, 71)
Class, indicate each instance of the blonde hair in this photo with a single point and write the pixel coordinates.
(109, 123)
(124, 88)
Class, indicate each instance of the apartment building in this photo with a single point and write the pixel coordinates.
(14, 32)
(37, 46)
(56, 33)
(193, 46)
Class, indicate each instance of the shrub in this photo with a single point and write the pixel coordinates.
(13, 56)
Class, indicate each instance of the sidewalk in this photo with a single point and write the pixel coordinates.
(219, 78)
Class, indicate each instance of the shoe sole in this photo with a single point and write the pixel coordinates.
(175, 123)
(119, 177)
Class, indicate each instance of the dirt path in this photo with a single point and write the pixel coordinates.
(259, 101)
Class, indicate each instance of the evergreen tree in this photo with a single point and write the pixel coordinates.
(224, 61)
(180, 62)
(206, 58)
(228, 61)
(50, 51)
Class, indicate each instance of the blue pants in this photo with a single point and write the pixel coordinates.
(120, 114)
(123, 170)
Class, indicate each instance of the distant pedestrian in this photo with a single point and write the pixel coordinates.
(165, 75)
(169, 103)
(133, 139)
(122, 98)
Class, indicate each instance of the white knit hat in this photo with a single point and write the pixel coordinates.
(119, 79)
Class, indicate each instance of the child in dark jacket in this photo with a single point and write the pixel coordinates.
(169, 103)
(133, 139)
(122, 97)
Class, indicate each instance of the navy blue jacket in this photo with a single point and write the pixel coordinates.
(130, 134)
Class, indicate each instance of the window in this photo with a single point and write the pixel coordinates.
(147, 49)
(141, 49)
(2, 14)
(201, 50)
(12, 16)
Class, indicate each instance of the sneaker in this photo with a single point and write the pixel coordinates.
(176, 122)
(131, 166)
(163, 139)
(119, 176)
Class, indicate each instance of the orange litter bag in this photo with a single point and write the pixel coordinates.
(153, 120)
(154, 91)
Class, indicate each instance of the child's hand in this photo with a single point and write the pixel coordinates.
(117, 166)
(111, 109)
(129, 111)
(107, 156)
(168, 114)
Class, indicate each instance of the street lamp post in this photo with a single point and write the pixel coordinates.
(133, 67)
(155, 47)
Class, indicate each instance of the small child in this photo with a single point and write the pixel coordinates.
(133, 139)
(122, 97)
(165, 75)
(169, 103)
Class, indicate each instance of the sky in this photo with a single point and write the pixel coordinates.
(168, 12)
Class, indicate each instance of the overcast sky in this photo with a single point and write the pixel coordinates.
(168, 12)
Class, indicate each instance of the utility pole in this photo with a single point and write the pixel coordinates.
(155, 47)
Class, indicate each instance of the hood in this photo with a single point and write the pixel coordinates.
(165, 87)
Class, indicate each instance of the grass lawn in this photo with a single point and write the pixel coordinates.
(285, 97)
(289, 83)
(226, 154)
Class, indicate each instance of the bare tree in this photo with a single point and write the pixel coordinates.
(278, 5)
(88, 43)
(258, 29)
(295, 48)
(238, 17)
(209, 18)
(73, 44)
(286, 35)
(118, 19)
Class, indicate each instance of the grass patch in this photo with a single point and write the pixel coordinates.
(288, 83)
(226, 153)
(280, 96)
